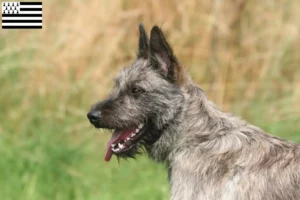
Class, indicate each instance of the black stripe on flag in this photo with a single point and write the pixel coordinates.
(30, 9)
(21, 27)
(21, 21)
(30, 3)
(22, 15)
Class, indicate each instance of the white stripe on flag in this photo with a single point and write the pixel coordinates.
(22, 18)
(30, 12)
(21, 24)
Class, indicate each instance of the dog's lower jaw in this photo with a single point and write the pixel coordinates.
(161, 150)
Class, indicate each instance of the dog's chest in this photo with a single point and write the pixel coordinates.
(191, 180)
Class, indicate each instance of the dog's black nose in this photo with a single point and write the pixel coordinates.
(94, 116)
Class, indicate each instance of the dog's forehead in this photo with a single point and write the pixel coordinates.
(138, 71)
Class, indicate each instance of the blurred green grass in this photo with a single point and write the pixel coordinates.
(246, 59)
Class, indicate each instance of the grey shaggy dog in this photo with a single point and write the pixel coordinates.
(210, 155)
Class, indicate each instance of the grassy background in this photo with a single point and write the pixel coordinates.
(244, 54)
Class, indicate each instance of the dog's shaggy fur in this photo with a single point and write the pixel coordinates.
(210, 155)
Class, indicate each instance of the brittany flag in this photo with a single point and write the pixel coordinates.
(22, 15)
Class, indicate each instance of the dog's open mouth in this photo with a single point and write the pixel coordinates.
(122, 141)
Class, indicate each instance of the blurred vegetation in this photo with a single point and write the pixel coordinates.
(243, 53)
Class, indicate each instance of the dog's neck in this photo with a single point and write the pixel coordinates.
(200, 117)
(203, 116)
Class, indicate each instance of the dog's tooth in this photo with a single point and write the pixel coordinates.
(133, 134)
(116, 150)
(127, 139)
(137, 130)
(141, 126)
(113, 145)
(121, 146)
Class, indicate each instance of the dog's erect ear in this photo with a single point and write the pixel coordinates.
(143, 43)
(162, 57)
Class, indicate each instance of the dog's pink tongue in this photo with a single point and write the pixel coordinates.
(117, 135)
(113, 138)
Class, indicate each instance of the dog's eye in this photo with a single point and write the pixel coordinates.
(136, 90)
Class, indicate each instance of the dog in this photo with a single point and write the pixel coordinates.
(210, 155)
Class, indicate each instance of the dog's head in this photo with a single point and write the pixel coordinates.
(145, 99)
